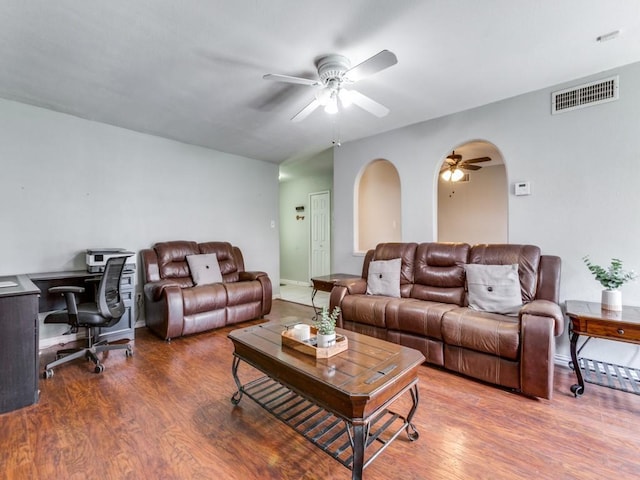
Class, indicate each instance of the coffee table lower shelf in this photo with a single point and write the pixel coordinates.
(605, 374)
(330, 433)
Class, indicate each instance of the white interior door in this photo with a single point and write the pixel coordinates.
(320, 210)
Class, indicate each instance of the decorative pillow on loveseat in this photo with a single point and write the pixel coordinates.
(494, 288)
(384, 277)
(204, 268)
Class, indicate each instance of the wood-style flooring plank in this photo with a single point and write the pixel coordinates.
(166, 413)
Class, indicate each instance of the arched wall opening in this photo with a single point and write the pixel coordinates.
(474, 209)
(377, 205)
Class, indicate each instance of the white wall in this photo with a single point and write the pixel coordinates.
(68, 184)
(295, 237)
(475, 211)
(584, 167)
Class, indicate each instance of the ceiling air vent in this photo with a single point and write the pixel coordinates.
(593, 93)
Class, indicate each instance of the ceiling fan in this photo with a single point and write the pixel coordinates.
(452, 169)
(336, 74)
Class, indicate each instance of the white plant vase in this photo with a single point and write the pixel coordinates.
(612, 300)
(326, 341)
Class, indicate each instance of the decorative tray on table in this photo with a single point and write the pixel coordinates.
(309, 347)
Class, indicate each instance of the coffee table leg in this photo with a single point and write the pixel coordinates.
(412, 433)
(236, 397)
(359, 441)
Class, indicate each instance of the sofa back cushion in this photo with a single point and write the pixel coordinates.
(526, 256)
(226, 259)
(172, 261)
(406, 252)
(439, 272)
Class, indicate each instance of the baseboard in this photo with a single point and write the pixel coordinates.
(60, 340)
(562, 360)
(284, 281)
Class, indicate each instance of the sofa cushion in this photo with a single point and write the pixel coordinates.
(418, 317)
(204, 298)
(204, 268)
(172, 261)
(439, 272)
(494, 288)
(526, 256)
(490, 333)
(229, 266)
(365, 309)
(384, 278)
(404, 251)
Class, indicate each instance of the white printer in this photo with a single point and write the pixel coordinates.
(97, 259)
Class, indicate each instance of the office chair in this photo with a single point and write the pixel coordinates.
(105, 312)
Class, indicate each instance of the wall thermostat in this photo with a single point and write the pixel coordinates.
(523, 188)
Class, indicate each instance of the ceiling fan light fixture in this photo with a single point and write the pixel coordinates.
(457, 175)
(345, 97)
(332, 105)
(446, 175)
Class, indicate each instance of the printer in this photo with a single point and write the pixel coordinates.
(97, 259)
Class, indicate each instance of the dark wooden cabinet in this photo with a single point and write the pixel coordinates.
(18, 342)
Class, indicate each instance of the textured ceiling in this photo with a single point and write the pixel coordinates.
(192, 70)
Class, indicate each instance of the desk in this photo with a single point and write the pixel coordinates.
(588, 319)
(18, 343)
(325, 283)
(124, 329)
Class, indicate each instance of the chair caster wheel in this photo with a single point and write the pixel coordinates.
(99, 368)
(47, 374)
(128, 352)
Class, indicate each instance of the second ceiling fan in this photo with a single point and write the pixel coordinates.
(335, 74)
(453, 166)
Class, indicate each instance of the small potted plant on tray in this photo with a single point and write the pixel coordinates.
(326, 326)
(611, 279)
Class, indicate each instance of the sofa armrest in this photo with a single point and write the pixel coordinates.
(545, 308)
(354, 286)
(249, 276)
(540, 322)
(267, 288)
(164, 308)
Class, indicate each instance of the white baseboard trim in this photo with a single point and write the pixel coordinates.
(561, 360)
(295, 282)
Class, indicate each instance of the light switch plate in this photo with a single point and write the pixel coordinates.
(523, 188)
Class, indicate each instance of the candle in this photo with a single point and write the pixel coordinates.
(302, 331)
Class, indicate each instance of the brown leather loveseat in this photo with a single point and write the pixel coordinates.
(432, 312)
(175, 306)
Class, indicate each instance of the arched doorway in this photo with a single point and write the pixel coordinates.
(474, 209)
(377, 205)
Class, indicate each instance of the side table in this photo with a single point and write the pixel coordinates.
(589, 319)
(325, 283)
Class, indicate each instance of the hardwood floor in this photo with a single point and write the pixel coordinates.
(166, 413)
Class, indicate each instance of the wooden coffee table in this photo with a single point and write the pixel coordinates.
(342, 403)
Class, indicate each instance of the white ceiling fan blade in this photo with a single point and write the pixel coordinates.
(288, 79)
(306, 111)
(378, 62)
(367, 104)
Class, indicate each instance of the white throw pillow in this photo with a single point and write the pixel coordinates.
(494, 288)
(204, 268)
(384, 277)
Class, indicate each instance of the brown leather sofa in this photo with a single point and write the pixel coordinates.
(174, 306)
(432, 315)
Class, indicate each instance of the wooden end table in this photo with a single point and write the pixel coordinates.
(341, 404)
(325, 283)
(589, 319)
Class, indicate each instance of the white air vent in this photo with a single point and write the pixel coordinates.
(593, 93)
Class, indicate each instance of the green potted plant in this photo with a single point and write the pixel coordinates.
(611, 278)
(326, 327)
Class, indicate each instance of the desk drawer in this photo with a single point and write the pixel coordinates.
(624, 332)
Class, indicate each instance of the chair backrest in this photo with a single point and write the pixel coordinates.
(109, 300)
